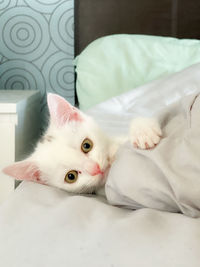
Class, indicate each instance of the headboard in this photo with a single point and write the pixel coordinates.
(97, 18)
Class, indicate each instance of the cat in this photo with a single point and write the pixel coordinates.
(74, 154)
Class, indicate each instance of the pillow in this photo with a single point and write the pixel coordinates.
(115, 64)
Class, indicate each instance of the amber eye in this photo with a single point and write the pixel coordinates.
(86, 145)
(71, 177)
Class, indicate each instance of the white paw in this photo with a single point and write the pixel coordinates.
(145, 133)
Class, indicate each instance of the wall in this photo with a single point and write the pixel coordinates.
(37, 46)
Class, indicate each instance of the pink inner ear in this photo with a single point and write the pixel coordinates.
(24, 170)
(61, 111)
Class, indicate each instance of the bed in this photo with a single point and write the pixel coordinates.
(45, 226)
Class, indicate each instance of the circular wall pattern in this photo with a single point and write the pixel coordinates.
(37, 46)
(61, 27)
(20, 74)
(24, 33)
(60, 72)
(7, 4)
(44, 6)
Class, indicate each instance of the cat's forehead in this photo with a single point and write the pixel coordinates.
(57, 151)
(74, 131)
(66, 138)
(64, 143)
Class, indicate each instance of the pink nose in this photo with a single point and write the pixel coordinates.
(96, 170)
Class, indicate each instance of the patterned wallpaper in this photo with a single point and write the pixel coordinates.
(37, 46)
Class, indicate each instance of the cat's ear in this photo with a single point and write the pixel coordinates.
(62, 111)
(24, 170)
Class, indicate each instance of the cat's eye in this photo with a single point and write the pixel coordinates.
(86, 145)
(71, 177)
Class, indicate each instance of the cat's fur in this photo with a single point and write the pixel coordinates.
(59, 150)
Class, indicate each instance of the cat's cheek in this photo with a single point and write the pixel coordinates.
(102, 179)
(105, 176)
(41, 182)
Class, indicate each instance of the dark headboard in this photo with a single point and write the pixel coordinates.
(96, 18)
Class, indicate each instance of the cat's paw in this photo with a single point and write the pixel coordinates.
(145, 133)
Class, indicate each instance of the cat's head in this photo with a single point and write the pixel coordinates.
(72, 155)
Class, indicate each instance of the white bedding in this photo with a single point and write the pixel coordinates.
(43, 226)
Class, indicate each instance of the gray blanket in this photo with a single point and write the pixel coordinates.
(167, 177)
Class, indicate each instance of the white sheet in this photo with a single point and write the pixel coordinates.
(42, 226)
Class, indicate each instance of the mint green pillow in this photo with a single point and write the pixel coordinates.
(114, 64)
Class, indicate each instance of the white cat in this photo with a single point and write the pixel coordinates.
(74, 154)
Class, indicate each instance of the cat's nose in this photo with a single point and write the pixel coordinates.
(94, 169)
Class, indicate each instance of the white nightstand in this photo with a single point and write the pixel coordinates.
(20, 123)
